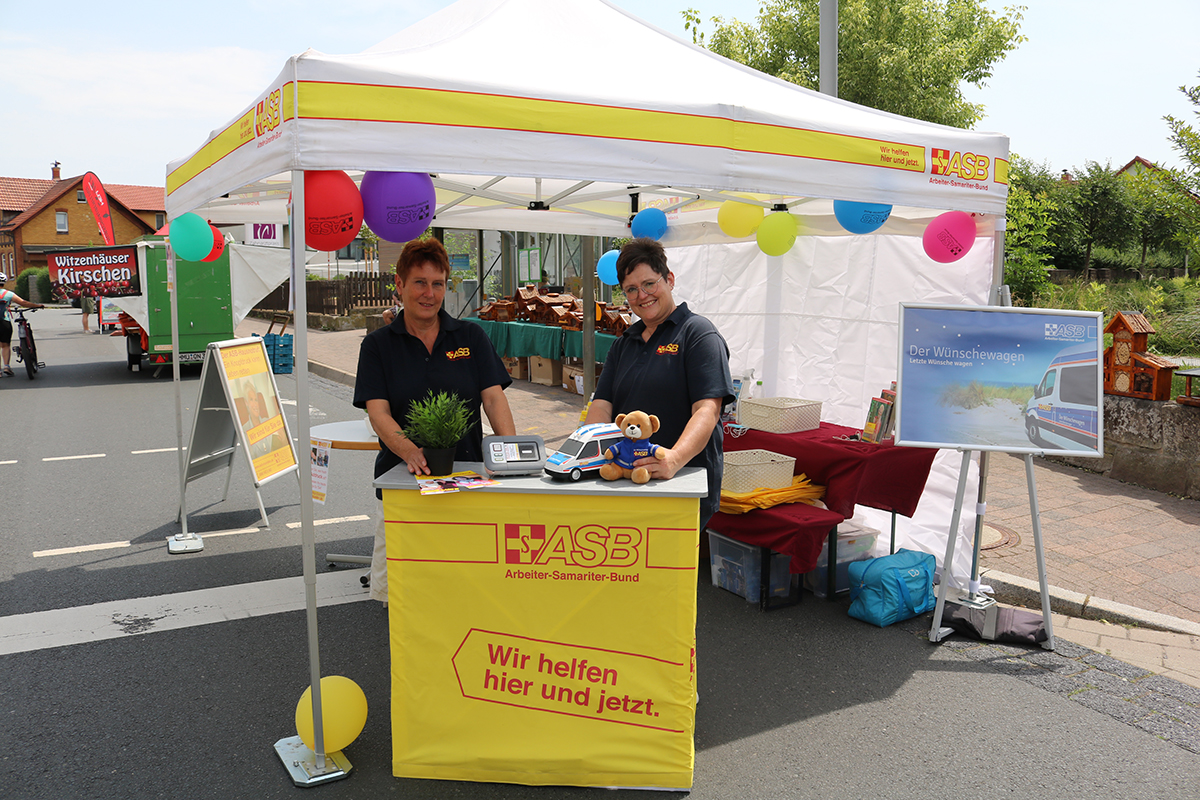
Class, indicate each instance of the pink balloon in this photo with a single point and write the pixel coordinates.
(398, 206)
(949, 237)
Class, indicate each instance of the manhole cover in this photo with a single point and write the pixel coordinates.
(996, 536)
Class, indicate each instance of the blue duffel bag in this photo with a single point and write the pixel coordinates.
(889, 589)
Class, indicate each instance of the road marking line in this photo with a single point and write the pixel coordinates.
(159, 450)
(9, 462)
(83, 548)
(22, 633)
(230, 532)
(74, 458)
(316, 522)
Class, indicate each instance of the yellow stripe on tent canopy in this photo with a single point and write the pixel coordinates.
(412, 105)
(240, 133)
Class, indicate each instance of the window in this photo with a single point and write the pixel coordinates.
(60, 221)
(160, 219)
(1079, 385)
(79, 196)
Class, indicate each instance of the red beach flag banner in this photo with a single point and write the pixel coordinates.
(97, 200)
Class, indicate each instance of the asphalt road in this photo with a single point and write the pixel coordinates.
(183, 670)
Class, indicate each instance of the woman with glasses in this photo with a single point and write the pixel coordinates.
(671, 363)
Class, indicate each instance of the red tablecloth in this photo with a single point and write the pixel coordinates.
(795, 529)
(877, 475)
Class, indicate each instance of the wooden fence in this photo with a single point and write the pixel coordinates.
(336, 297)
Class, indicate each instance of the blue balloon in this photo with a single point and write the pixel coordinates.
(650, 223)
(861, 217)
(606, 267)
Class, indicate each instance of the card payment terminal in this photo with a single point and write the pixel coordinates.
(514, 455)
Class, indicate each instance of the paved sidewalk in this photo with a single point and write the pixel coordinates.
(1123, 562)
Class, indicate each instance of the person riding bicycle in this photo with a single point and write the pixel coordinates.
(6, 327)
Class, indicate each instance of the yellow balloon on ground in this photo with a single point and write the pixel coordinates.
(739, 220)
(777, 233)
(343, 713)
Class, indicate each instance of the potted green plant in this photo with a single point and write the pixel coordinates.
(437, 423)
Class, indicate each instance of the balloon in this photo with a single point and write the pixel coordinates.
(606, 267)
(218, 246)
(650, 223)
(398, 206)
(861, 217)
(190, 237)
(333, 210)
(949, 236)
(343, 713)
(777, 233)
(739, 220)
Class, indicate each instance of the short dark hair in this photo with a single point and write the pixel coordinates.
(422, 251)
(641, 251)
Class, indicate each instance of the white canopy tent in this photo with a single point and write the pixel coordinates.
(546, 115)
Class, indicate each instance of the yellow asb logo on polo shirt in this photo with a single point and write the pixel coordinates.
(455, 355)
(667, 348)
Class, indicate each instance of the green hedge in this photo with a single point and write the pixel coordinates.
(39, 274)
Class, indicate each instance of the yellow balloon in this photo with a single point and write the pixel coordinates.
(343, 713)
(777, 234)
(739, 220)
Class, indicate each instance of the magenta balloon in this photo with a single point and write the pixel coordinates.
(949, 237)
(398, 206)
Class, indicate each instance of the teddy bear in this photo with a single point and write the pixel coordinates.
(638, 427)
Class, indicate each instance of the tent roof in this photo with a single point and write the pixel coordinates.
(580, 90)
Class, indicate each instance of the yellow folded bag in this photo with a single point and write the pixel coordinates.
(801, 491)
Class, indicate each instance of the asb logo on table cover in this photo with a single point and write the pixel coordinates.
(967, 166)
(587, 546)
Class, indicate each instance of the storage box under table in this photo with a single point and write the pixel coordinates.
(746, 569)
(852, 545)
(779, 414)
(545, 371)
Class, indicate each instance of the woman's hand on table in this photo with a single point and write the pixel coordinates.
(414, 457)
(663, 464)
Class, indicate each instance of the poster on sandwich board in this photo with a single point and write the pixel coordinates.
(239, 408)
(1016, 380)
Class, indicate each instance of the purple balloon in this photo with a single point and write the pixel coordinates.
(398, 206)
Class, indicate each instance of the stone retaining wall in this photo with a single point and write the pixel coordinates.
(1151, 444)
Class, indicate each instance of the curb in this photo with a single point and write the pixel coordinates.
(331, 373)
(1018, 591)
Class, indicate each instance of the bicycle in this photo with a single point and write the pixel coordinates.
(26, 348)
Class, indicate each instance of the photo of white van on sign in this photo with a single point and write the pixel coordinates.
(1065, 410)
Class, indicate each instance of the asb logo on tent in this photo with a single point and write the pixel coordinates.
(967, 166)
(266, 113)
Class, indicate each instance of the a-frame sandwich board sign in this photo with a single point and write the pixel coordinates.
(238, 408)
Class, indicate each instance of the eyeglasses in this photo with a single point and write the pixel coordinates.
(646, 287)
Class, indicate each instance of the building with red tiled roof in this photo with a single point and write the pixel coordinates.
(37, 216)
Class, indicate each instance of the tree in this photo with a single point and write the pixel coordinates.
(1160, 209)
(908, 57)
(1186, 141)
(1101, 203)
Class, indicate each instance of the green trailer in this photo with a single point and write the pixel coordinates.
(208, 298)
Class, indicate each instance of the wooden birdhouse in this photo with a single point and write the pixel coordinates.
(1129, 370)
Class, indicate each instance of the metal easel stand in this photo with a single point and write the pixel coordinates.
(937, 632)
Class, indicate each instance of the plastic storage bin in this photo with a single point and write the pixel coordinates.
(779, 414)
(853, 545)
(737, 567)
(747, 470)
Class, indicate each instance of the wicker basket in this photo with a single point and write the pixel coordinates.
(747, 470)
(779, 414)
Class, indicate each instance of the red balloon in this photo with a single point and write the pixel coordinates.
(218, 245)
(333, 210)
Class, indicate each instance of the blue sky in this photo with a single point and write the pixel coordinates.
(120, 89)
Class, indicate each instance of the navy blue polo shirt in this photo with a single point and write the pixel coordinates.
(394, 365)
(685, 360)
